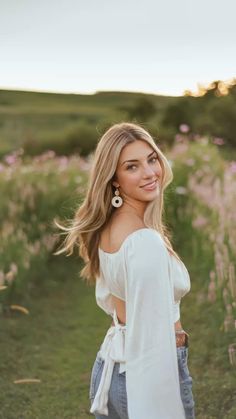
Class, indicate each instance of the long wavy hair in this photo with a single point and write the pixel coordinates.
(84, 230)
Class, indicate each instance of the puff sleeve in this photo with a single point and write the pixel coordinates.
(152, 380)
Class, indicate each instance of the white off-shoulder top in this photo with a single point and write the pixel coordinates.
(152, 282)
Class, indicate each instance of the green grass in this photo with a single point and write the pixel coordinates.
(214, 379)
(35, 116)
(57, 343)
(44, 118)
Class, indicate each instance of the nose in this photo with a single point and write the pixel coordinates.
(148, 172)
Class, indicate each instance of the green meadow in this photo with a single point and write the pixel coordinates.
(51, 327)
(40, 121)
(72, 123)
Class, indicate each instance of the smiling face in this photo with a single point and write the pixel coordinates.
(138, 166)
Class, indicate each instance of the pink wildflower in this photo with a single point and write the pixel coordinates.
(190, 162)
(232, 167)
(199, 221)
(10, 159)
(178, 138)
(218, 141)
(184, 128)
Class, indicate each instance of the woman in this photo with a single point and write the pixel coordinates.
(140, 371)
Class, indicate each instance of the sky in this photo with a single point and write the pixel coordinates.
(84, 46)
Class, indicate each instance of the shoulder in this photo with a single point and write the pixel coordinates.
(126, 232)
(146, 242)
(119, 230)
(132, 236)
(146, 258)
(124, 226)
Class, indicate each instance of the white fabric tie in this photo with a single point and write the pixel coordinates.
(112, 350)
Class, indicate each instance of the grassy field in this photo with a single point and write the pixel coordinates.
(40, 121)
(43, 117)
(57, 343)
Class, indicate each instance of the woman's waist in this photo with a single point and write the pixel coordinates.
(178, 326)
(182, 337)
(113, 345)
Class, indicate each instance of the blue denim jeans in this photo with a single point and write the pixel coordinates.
(117, 397)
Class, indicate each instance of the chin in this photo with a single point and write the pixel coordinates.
(149, 198)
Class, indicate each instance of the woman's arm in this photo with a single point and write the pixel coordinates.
(152, 379)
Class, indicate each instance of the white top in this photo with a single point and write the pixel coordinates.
(152, 282)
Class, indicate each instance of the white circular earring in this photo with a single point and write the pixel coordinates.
(117, 201)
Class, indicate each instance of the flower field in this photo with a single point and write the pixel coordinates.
(200, 212)
(34, 192)
(210, 185)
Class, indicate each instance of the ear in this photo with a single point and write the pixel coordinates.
(115, 184)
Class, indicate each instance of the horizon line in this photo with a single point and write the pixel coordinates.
(29, 90)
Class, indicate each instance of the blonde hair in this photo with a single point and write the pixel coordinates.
(90, 218)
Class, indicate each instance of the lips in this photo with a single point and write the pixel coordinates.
(150, 184)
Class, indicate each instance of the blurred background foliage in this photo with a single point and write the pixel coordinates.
(71, 123)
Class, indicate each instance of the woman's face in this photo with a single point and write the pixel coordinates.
(138, 166)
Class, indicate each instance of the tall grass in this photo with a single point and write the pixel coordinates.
(199, 202)
(209, 183)
(34, 191)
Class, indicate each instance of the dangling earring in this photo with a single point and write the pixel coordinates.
(117, 201)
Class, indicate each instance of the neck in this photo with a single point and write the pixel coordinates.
(132, 209)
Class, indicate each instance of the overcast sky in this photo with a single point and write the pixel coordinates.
(84, 46)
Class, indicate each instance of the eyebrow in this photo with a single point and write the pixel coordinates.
(149, 155)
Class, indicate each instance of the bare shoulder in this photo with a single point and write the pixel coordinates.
(118, 230)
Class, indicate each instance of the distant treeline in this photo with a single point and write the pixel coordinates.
(71, 123)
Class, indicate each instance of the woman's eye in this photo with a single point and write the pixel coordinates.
(131, 166)
(152, 160)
